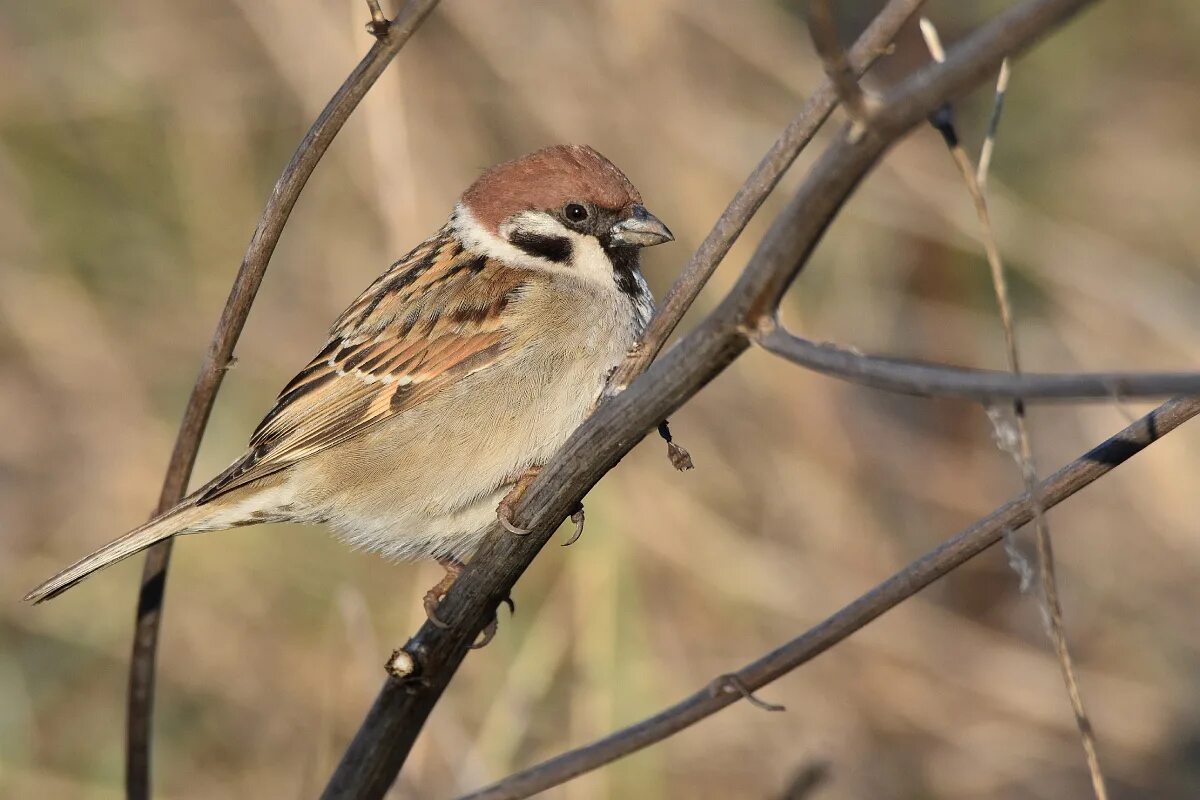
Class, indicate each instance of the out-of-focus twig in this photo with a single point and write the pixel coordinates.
(212, 370)
(1023, 453)
(379, 749)
(823, 29)
(989, 140)
(948, 556)
(938, 380)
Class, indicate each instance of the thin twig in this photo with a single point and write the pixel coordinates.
(937, 380)
(385, 738)
(1024, 451)
(212, 370)
(989, 141)
(873, 43)
(943, 559)
(823, 29)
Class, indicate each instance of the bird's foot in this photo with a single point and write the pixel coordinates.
(504, 511)
(435, 595)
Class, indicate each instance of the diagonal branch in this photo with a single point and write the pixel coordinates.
(936, 380)
(948, 556)
(212, 371)
(379, 749)
(873, 43)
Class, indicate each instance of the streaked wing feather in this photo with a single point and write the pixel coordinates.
(434, 317)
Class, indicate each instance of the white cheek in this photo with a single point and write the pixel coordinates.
(588, 257)
(477, 238)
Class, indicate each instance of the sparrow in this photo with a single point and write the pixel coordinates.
(450, 380)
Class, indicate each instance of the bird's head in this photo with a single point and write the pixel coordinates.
(562, 207)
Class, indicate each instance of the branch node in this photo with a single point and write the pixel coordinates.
(379, 24)
(401, 665)
(680, 458)
(942, 121)
(858, 104)
(730, 683)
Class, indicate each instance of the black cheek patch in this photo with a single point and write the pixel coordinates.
(551, 248)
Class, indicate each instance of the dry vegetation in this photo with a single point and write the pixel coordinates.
(136, 146)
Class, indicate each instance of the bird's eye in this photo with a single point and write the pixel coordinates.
(575, 212)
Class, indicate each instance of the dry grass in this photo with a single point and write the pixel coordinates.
(136, 145)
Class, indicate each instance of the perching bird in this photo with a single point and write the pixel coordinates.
(457, 372)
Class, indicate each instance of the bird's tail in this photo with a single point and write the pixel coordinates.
(186, 517)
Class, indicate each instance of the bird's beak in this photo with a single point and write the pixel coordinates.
(641, 229)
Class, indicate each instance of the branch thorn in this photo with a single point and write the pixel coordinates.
(731, 683)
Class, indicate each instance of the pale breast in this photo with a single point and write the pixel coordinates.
(434, 471)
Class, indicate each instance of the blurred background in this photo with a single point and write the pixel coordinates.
(138, 142)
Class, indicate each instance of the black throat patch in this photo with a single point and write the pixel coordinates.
(551, 248)
(625, 263)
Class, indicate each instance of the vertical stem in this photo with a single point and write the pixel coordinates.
(279, 206)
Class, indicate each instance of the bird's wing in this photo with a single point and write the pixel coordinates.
(435, 317)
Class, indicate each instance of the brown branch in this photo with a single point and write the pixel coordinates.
(379, 749)
(873, 43)
(937, 380)
(212, 370)
(948, 556)
(823, 29)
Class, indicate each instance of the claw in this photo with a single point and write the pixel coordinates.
(486, 635)
(504, 514)
(431, 604)
(577, 518)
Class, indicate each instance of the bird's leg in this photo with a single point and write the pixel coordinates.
(505, 510)
(453, 568)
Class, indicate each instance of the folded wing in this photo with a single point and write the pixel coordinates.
(437, 315)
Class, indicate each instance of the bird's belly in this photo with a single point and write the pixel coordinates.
(427, 482)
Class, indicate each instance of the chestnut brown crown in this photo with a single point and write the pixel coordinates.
(548, 179)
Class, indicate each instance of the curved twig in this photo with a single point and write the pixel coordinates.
(212, 370)
(379, 749)
(937, 380)
(904, 584)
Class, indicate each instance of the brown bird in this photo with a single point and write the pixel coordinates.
(450, 380)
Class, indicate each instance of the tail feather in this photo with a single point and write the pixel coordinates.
(183, 518)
